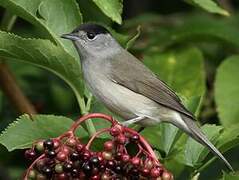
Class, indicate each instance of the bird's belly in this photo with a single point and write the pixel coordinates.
(127, 103)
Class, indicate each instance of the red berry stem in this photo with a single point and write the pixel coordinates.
(144, 143)
(91, 116)
(95, 136)
(32, 165)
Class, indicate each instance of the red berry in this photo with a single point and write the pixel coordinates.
(134, 138)
(66, 150)
(95, 171)
(166, 176)
(61, 156)
(121, 139)
(118, 156)
(71, 142)
(145, 172)
(135, 161)
(62, 176)
(95, 177)
(80, 147)
(30, 154)
(154, 173)
(86, 155)
(125, 157)
(56, 143)
(100, 157)
(116, 130)
(108, 145)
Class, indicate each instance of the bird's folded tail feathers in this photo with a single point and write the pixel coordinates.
(198, 135)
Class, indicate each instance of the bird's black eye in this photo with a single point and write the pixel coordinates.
(90, 35)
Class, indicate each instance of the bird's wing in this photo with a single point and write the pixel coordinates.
(129, 72)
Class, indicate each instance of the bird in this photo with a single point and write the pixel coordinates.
(128, 88)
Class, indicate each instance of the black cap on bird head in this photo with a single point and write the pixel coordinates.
(91, 28)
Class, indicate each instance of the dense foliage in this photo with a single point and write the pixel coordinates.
(193, 48)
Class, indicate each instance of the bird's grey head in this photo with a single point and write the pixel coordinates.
(93, 40)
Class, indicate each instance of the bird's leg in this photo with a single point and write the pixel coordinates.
(132, 121)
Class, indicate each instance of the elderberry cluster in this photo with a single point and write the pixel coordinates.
(67, 158)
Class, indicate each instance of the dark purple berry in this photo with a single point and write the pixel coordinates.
(134, 177)
(86, 168)
(110, 164)
(67, 166)
(94, 161)
(74, 156)
(48, 144)
(30, 154)
(118, 156)
(51, 154)
(134, 171)
(74, 172)
(134, 138)
(47, 171)
(118, 169)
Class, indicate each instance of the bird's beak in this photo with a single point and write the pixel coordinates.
(70, 36)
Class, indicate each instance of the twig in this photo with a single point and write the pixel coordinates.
(7, 79)
(13, 92)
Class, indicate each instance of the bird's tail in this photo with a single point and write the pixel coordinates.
(198, 135)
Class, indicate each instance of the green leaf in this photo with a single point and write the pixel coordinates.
(227, 91)
(229, 138)
(170, 134)
(26, 130)
(195, 153)
(182, 70)
(111, 8)
(210, 6)
(193, 28)
(63, 98)
(230, 176)
(45, 54)
(53, 17)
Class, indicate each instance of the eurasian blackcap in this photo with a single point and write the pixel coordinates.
(127, 87)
